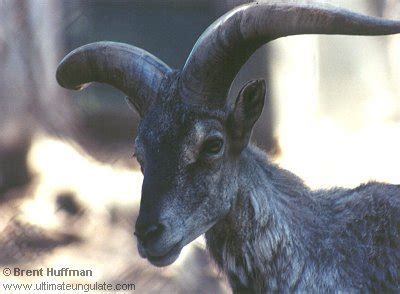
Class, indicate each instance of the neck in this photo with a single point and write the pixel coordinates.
(264, 233)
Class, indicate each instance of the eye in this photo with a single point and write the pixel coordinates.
(212, 146)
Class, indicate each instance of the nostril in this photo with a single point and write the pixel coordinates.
(154, 231)
(148, 232)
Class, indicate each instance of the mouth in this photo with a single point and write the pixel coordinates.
(168, 258)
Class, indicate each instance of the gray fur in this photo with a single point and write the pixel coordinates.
(281, 236)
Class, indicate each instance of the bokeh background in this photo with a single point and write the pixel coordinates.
(69, 187)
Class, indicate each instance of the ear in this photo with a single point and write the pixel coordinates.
(248, 107)
(135, 106)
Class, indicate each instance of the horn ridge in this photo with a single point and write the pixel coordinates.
(226, 45)
(132, 70)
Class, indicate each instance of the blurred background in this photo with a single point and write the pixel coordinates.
(69, 187)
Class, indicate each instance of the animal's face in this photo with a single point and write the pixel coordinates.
(189, 158)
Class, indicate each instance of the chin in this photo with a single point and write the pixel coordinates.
(169, 256)
(163, 260)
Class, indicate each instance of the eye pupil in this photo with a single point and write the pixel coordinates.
(213, 146)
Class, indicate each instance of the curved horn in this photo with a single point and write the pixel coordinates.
(132, 70)
(226, 45)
